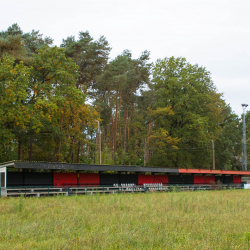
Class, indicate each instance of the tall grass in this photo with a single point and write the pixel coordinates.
(176, 220)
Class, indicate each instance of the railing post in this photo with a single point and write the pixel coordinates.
(25, 192)
(48, 191)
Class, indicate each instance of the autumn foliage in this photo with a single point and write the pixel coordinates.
(162, 114)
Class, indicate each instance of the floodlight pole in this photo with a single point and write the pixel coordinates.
(244, 148)
(100, 146)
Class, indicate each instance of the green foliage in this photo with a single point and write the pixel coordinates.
(175, 188)
(21, 46)
(193, 112)
(228, 147)
(14, 81)
(51, 99)
(43, 111)
(91, 57)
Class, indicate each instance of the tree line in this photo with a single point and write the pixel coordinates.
(165, 113)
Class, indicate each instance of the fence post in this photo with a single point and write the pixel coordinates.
(0, 190)
(25, 191)
(48, 191)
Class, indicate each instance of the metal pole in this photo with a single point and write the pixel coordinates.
(100, 145)
(242, 158)
(100, 148)
(244, 149)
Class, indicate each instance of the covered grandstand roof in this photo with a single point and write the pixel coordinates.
(116, 168)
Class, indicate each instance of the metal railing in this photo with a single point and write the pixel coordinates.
(39, 191)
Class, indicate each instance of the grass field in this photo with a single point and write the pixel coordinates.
(177, 220)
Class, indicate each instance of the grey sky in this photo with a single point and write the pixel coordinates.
(214, 34)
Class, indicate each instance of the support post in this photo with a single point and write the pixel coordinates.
(100, 147)
(244, 148)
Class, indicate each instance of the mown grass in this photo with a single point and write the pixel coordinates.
(183, 220)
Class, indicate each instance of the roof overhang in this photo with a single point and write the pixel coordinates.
(87, 167)
(116, 168)
(7, 164)
(212, 171)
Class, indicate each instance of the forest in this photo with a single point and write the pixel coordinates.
(62, 104)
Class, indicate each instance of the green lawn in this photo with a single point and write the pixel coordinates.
(186, 220)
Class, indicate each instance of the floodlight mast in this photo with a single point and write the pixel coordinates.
(99, 140)
(244, 148)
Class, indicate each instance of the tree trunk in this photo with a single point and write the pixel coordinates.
(149, 130)
(60, 139)
(120, 121)
(112, 136)
(115, 126)
(82, 146)
(125, 128)
(20, 149)
(103, 145)
(73, 151)
(31, 144)
(128, 133)
(88, 142)
(59, 149)
(70, 151)
(125, 120)
(78, 152)
(154, 139)
(107, 138)
(135, 148)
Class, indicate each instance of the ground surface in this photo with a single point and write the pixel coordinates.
(186, 220)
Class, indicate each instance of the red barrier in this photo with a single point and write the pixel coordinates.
(237, 179)
(145, 179)
(88, 178)
(199, 179)
(161, 179)
(211, 171)
(65, 179)
(209, 179)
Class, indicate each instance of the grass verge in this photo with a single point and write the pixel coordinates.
(177, 220)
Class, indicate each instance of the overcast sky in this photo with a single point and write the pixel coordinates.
(212, 33)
